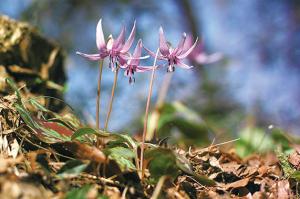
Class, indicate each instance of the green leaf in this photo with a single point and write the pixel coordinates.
(122, 156)
(123, 140)
(72, 168)
(84, 131)
(288, 170)
(296, 175)
(25, 115)
(13, 86)
(38, 105)
(162, 162)
(177, 116)
(281, 138)
(166, 162)
(79, 193)
(253, 140)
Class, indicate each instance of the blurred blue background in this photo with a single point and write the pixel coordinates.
(257, 82)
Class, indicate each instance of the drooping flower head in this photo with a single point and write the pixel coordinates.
(173, 56)
(132, 64)
(115, 49)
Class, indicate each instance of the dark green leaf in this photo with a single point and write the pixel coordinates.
(79, 193)
(162, 162)
(72, 168)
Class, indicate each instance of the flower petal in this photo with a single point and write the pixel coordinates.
(99, 36)
(130, 39)
(93, 57)
(180, 46)
(185, 54)
(136, 54)
(119, 42)
(183, 65)
(163, 46)
(141, 69)
(152, 54)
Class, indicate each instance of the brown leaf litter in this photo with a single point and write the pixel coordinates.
(28, 167)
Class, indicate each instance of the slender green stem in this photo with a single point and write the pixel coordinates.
(99, 140)
(98, 94)
(146, 114)
(111, 99)
(152, 129)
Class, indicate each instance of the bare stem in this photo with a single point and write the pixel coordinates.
(98, 98)
(158, 187)
(146, 115)
(160, 101)
(111, 99)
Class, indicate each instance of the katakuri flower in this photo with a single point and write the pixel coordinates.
(174, 56)
(132, 64)
(116, 50)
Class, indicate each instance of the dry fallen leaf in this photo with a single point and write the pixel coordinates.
(294, 159)
(237, 184)
(284, 191)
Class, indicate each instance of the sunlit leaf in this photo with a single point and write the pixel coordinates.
(38, 105)
(253, 140)
(296, 175)
(122, 156)
(84, 131)
(122, 140)
(13, 85)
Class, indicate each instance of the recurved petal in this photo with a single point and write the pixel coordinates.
(137, 53)
(119, 42)
(183, 65)
(152, 54)
(130, 39)
(93, 57)
(180, 46)
(141, 69)
(100, 41)
(186, 53)
(163, 46)
(188, 43)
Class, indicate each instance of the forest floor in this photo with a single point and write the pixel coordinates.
(46, 155)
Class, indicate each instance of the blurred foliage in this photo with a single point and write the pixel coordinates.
(181, 124)
(258, 140)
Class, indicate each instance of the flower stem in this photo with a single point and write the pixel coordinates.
(152, 130)
(146, 115)
(111, 99)
(98, 94)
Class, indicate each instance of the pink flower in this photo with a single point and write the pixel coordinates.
(132, 64)
(174, 56)
(199, 56)
(116, 50)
